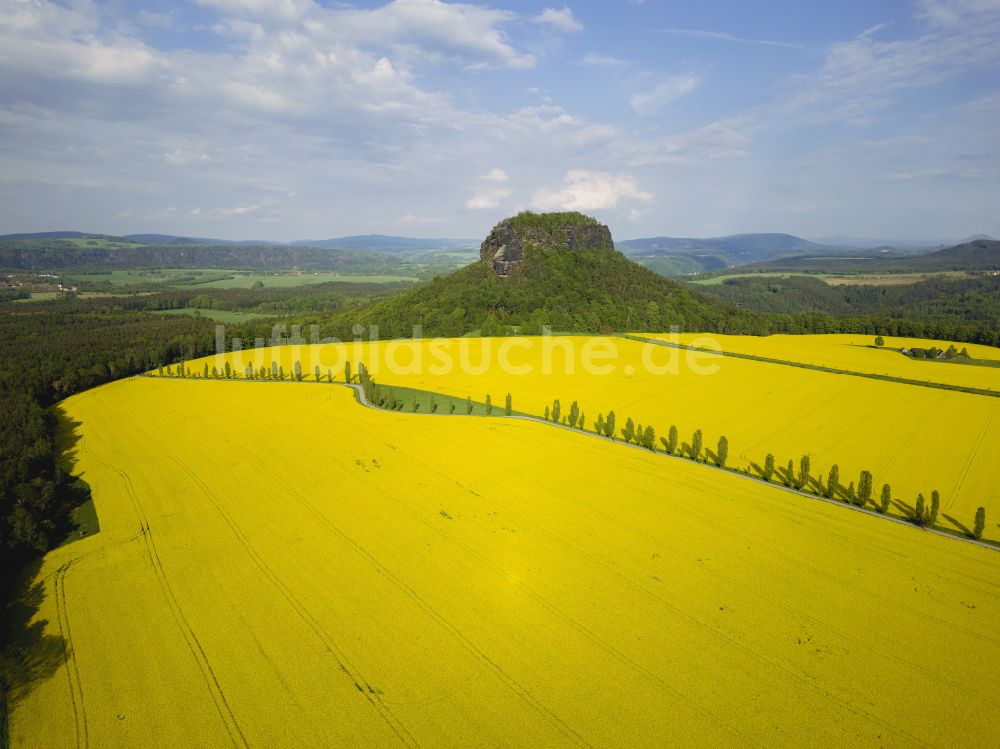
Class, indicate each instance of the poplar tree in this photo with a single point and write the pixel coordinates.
(160, 371)
(980, 526)
(609, 425)
(803, 472)
(768, 467)
(582, 423)
(885, 499)
(935, 506)
(229, 371)
(649, 438)
(790, 474)
(297, 369)
(918, 511)
(347, 371)
(833, 482)
(546, 413)
(318, 373)
(599, 424)
(628, 431)
(574, 413)
(696, 444)
(507, 405)
(556, 410)
(722, 452)
(864, 488)
(489, 405)
(672, 439)
(204, 372)
(468, 405)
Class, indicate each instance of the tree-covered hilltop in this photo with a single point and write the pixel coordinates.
(585, 289)
(958, 309)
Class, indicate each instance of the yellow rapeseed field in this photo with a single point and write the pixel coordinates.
(857, 353)
(917, 439)
(278, 566)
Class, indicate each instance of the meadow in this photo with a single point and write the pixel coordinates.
(208, 278)
(917, 439)
(840, 279)
(279, 566)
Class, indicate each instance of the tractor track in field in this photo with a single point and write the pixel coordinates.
(746, 740)
(229, 722)
(69, 656)
(698, 623)
(973, 453)
(521, 691)
(363, 686)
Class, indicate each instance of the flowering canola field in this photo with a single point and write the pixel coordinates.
(856, 353)
(917, 439)
(278, 566)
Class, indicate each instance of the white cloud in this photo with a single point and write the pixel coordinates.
(495, 175)
(862, 76)
(654, 99)
(584, 190)
(719, 140)
(605, 61)
(485, 199)
(722, 36)
(561, 19)
(179, 157)
(957, 12)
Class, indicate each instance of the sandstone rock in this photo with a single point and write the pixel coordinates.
(506, 246)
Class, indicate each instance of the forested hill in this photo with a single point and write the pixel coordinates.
(737, 248)
(958, 309)
(35, 255)
(570, 290)
(981, 254)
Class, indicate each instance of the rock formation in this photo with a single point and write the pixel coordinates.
(506, 246)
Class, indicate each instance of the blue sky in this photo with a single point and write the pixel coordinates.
(288, 119)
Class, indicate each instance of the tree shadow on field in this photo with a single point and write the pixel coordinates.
(711, 457)
(77, 516)
(905, 508)
(957, 524)
(785, 476)
(32, 654)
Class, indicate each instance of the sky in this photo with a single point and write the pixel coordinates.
(296, 119)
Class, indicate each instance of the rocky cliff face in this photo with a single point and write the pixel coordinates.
(505, 248)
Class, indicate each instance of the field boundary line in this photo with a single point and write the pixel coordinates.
(817, 367)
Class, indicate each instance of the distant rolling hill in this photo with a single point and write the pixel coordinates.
(368, 242)
(387, 243)
(688, 255)
(978, 255)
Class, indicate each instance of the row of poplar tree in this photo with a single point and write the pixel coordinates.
(923, 513)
